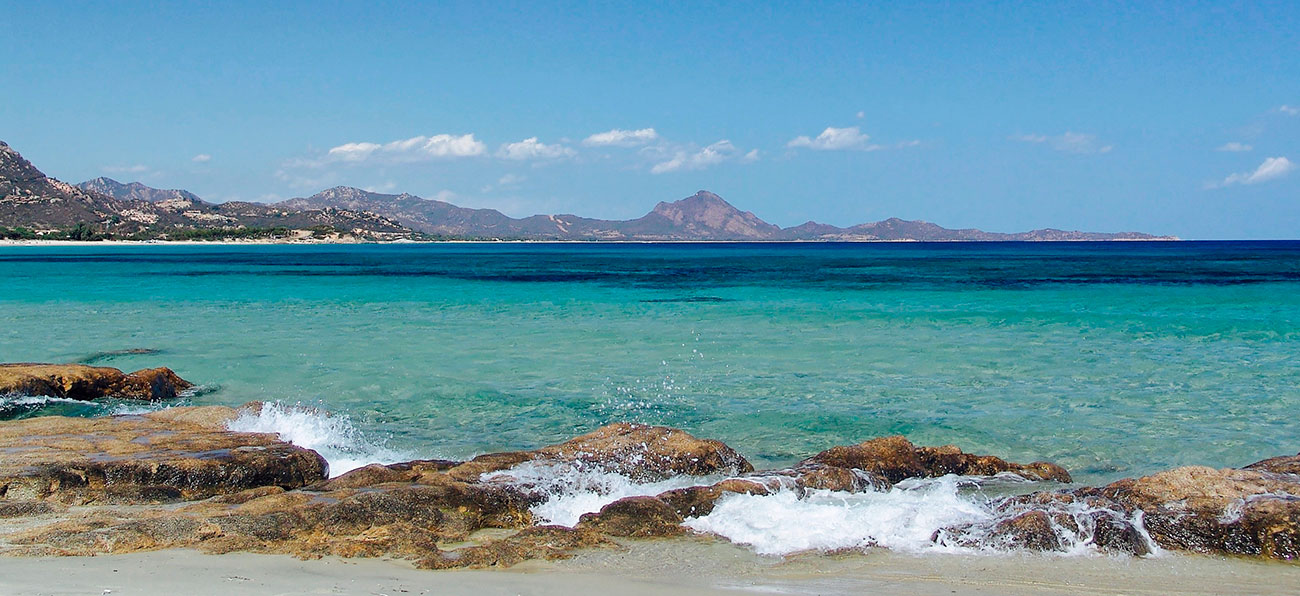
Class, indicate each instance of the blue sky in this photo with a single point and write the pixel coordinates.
(1179, 118)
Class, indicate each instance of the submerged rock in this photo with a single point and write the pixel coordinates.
(182, 453)
(79, 381)
(895, 458)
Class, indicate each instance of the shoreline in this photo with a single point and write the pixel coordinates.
(679, 566)
(268, 242)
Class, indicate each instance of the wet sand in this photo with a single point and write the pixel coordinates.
(688, 566)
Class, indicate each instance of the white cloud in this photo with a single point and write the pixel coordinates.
(836, 139)
(1289, 110)
(510, 180)
(862, 115)
(752, 156)
(1234, 147)
(1272, 169)
(621, 138)
(201, 158)
(414, 149)
(531, 148)
(1068, 142)
(386, 187)
(696, 160)
(296, 180)
(135, 169)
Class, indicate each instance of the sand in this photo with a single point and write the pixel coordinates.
(692, 566)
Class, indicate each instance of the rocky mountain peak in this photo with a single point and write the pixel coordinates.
(707, 211)
(137, 191)
(14, 167)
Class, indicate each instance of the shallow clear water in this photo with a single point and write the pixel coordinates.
(1111, 359)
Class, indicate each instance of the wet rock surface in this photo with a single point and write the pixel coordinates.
(80, 381)
(643, 453)
(1201, 509)
(177, 478)
(178, 454)
(895, 458)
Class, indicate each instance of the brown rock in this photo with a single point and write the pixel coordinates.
(148, 458)
(78, 381)
(696, 501)
(635, 517)
(895, 458)
(1244, 512)
(1286, 464)
(643, 453)
(1031, 530)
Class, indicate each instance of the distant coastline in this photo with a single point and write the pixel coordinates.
(309, 242)
(35, 207)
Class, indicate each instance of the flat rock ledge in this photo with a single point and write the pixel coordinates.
(79, 381)
(171, 455)
(176, 478)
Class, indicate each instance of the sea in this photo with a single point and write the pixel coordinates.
(1113, 359)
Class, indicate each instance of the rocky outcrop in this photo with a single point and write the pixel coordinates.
(177, 478)
(643, 453)
(1249, 511)
(895, 458)
(1239, 512)
(179, 454)
(635, 517)
(79, 381)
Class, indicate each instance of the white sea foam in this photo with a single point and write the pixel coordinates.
(11, 404)
(907, 518)
(576, 488)
(330, 434)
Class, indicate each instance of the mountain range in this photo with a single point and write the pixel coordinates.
(44, 205)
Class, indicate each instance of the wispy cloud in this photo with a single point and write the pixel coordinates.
(1234, 147)
(414, 149)
(1068, 142)
(531, 148)
(135, 169)
(510, 180)
(386, 187)
(201, 158)
(1272, 169)
(836, 139)
(300, 181)
(698, 159)
(621, 138)
(1289, 110)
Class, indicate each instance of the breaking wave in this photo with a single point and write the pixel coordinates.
(573, 489)
(332, 435)
(915, 516)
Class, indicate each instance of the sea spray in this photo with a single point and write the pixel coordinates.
(332, 435)
(574, 488)
(918, 516)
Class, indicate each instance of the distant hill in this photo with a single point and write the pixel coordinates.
(43, 205)
(138, 191)
(32, 203)
(703, 216)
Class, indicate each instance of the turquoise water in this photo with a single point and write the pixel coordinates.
(1111, 359)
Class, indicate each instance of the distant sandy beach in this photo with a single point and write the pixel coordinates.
(654, 567)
